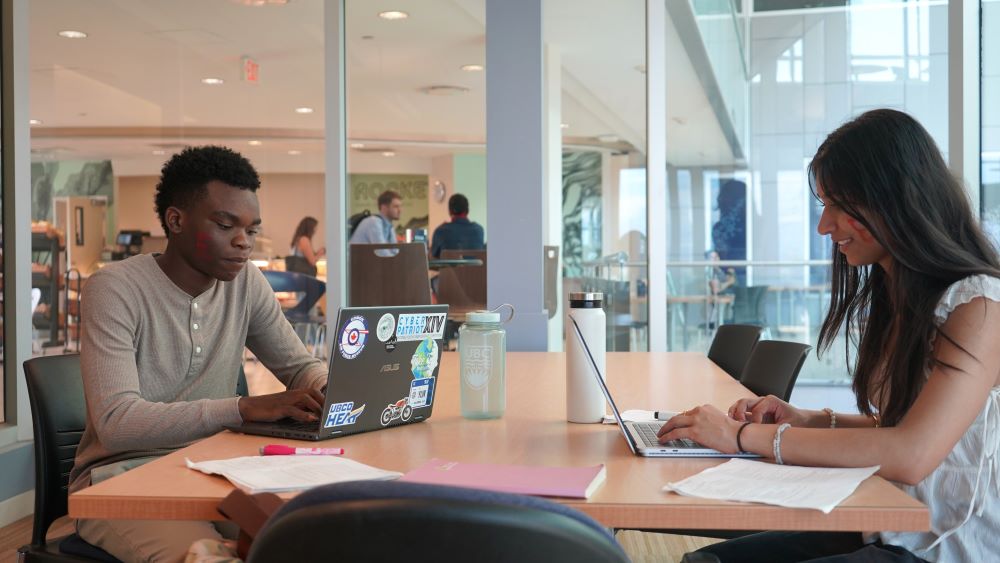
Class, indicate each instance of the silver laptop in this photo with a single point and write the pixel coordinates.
(641, 436)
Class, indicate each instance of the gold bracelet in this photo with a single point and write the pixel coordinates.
(875, 418)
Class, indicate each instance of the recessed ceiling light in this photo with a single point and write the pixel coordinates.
(303, 110)
(211, 81)
(34, 122)
(393, 15)
(159, 152)
(564, 125)
(388, 153)
(72, 34)
(472, 68)
(254, 143)
(357, 145)
(608, 138)
(294, 152)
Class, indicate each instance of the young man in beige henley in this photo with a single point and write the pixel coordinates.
(163, 339)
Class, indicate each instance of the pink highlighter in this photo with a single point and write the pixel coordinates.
(279, 449)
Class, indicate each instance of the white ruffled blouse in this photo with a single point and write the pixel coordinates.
(963, 492)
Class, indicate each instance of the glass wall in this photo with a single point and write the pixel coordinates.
(990, 115)
(744, 247)
(118, 87)
(601, 49)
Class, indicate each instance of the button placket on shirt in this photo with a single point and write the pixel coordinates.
(195, 329)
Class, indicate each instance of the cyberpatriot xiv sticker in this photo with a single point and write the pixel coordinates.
(386, 326)
(421, 392)
(343, 414)
(353, 337)
(400, 410)
(420, 326)
(424, 359)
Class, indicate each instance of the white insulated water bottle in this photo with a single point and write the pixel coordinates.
(584, 399)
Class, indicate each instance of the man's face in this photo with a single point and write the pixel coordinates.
(393, 210)
(216, 235)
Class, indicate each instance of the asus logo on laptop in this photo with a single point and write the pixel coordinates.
(388, 368)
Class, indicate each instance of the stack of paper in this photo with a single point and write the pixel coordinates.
(574, 482)
(281, 473)
(819, 488)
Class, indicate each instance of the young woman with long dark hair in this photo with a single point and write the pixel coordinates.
(916, 286)
(302, 258)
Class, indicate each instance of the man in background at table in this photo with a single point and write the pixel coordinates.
(377, 229)
(163, 339)
(460, 233)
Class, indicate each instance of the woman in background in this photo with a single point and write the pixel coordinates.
(916, 285)
(302, 258)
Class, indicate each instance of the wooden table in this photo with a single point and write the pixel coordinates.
(533, 431)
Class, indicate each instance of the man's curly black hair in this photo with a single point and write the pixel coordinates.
(185, 175)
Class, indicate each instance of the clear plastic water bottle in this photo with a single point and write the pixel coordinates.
(584, 399)
(482, 352)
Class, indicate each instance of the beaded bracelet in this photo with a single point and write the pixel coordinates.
(777, 442)
(832, 415)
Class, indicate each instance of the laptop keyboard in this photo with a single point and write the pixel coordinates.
(647, 433)
(292, 424)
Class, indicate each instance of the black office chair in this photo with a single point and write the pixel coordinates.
(392, 520)
(773, 367)
(59, 415)
(748, 305)
(731, 347)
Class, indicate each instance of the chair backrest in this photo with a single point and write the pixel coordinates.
(392, 520)
(748, 304)
(58, 418)
(463, 288)
(731, 347)
(389, 274)
(298, 283)
(773, 367)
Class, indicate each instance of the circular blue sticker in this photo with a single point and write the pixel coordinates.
(353, 337)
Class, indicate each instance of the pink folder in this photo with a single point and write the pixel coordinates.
(574, 482)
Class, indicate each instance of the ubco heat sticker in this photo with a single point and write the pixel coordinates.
(343, 414)
(353, 337)
(420, 326)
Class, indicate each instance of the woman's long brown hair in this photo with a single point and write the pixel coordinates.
(884, 170)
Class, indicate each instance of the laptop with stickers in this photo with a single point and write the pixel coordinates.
(383, 372)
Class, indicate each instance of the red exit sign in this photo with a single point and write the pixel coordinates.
(251, 70)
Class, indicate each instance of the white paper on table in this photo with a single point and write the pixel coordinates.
(819, 488)
(281, 473)
(635, 415)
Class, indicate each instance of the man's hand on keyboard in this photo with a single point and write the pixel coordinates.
(300, 404)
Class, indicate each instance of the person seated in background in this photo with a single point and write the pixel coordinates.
(163, 339)
(302, 258)
(377, 229)
(460, 233)
(917, 284)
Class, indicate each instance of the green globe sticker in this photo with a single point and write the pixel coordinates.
(386, 327)
(425, 359)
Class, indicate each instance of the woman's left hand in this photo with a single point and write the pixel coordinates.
(705, 425)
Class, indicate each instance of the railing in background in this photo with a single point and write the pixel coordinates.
(788, 298)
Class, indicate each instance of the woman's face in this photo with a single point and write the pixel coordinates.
(853, 240)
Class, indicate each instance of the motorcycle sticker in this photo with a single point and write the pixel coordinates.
(400, 410)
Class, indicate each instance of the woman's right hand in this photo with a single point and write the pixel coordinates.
(768, 410)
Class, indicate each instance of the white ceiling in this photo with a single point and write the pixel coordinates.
(135, 83)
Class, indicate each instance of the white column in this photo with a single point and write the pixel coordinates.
(336, 165)
(514, 167)
(17, 214)
(552, 208)
(656, 171)
(964, 126)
